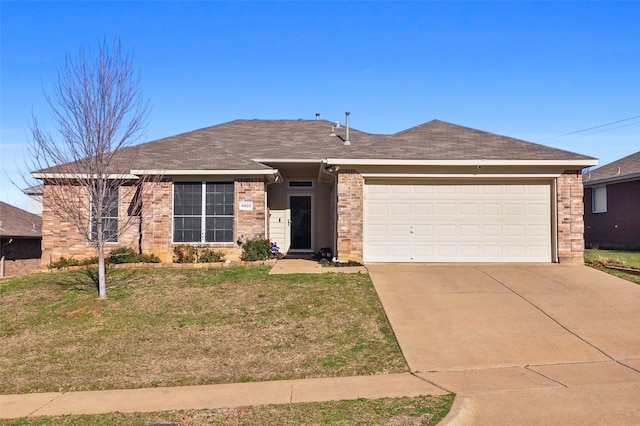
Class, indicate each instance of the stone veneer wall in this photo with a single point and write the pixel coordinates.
(350, 215)
(61, 237)
(570, 194)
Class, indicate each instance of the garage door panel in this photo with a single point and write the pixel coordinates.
(461, 222)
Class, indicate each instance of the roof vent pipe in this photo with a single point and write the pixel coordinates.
(347, 141)
(317, 116)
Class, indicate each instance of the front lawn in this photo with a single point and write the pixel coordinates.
(600, 259)
(174, 327)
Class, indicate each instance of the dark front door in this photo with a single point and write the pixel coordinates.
(300, 206)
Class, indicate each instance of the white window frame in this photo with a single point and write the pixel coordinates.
(599, 199)
(92, 226)
(203, 214)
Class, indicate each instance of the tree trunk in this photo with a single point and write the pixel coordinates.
(102, 282)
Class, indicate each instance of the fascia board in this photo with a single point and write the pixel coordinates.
(253, 172)
(617, 179)
(38, 175)
(462, 175)
(383, 162)
(286, 160)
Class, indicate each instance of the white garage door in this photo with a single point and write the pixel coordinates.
(457, 222)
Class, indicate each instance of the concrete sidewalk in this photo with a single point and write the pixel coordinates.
(308, 266)
(215, 396)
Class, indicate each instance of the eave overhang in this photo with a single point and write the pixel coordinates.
(614, 179)
(481, 162)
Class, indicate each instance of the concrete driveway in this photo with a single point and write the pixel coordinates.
(519, 344)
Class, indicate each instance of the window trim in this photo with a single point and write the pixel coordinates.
(113, 239)
(599, 199)
(203, 213)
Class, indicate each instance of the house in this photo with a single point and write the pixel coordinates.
(20, 239)
(612, 200)
(437, 192)
(34, 200)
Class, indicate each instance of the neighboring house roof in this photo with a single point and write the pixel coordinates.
(627, 168)
(249, 145)
(34, 190)
(18, 223)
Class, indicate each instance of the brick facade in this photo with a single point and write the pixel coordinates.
(61, 238)
(157, 208)
(153, 234)
(350, 215)
(570, 217)
(619, 227)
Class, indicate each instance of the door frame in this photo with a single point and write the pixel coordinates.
(312, 225)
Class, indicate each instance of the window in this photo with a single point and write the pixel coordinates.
(109, 217)
(300, 184)
(599, 199)
(203, 212)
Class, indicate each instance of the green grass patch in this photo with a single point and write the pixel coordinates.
(175, 327)
(601, 259)
(420, 410)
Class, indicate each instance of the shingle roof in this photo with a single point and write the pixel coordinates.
(237, 145)
(438, 140)
(17, 223)
(624, 168)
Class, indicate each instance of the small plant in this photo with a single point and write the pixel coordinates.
(63, 262)
(207, 255)
(128, 255)
(258, 249)
(148, 258)
(123, 255)
(184, 253)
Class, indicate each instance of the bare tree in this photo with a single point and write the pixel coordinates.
(99, 115)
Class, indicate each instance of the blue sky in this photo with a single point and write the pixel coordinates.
(530, 70)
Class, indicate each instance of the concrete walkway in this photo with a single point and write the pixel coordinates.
(214, 396)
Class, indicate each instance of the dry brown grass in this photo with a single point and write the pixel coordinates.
(187, 327)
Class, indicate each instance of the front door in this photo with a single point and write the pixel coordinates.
(301, 220)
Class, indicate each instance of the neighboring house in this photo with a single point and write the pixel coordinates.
(34, 203)
(437, 192)
(612, 200)
(20, 240)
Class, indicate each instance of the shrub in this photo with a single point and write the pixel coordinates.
(123, 255)
(258, 249)
(210, 256)
(148, 258)
(128, 255)
(184, 253)
(64, 262)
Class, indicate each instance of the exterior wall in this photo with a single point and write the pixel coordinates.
(60, 237)
(249, 223)
(20, 256)
(570, 228)
(157, 208)
(323, 216)
(619, 227)
(157, 213)
(350, 215)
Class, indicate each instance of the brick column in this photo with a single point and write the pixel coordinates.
(570, 217)
(157, 207)
(350, 215)
(250, 223)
